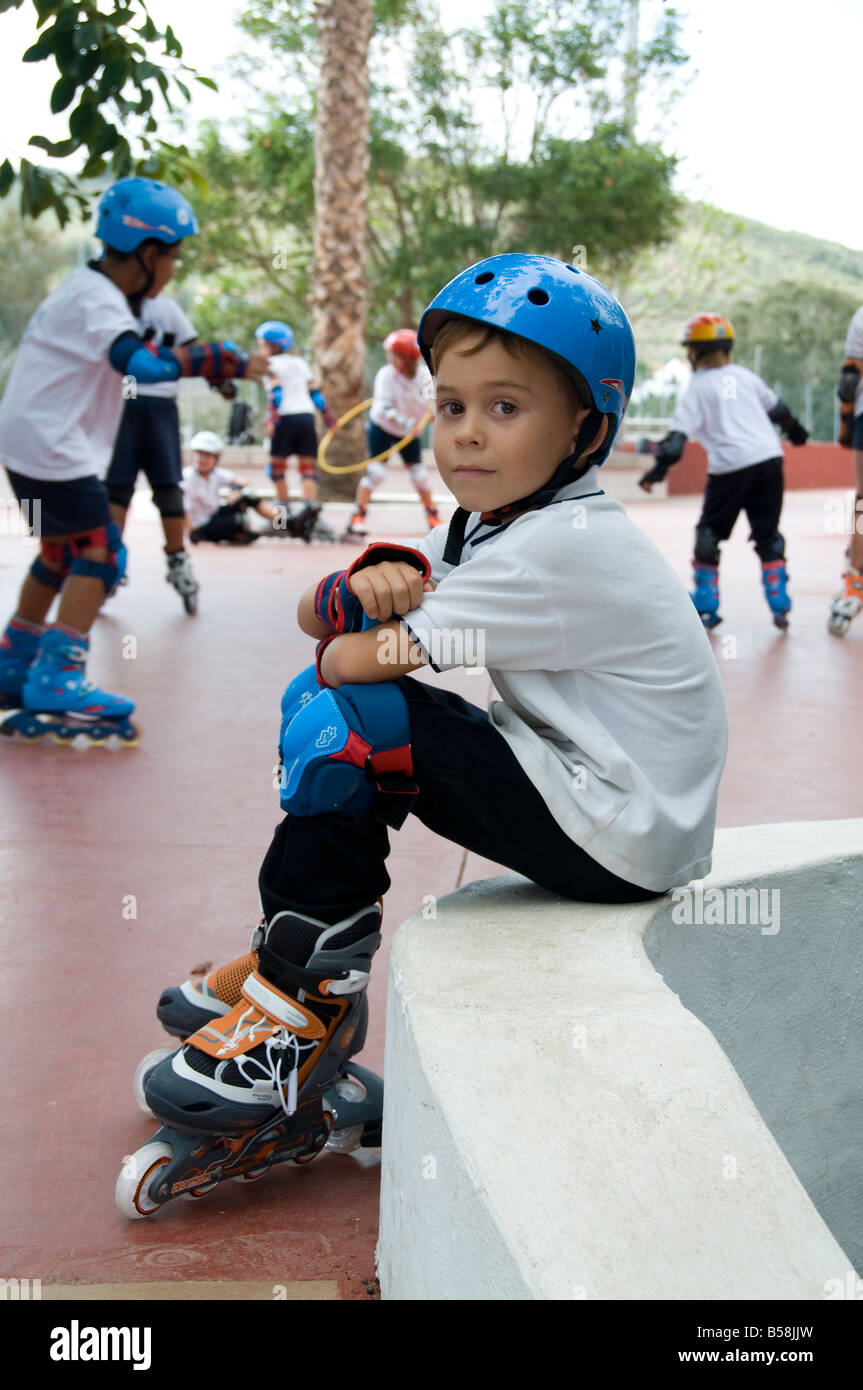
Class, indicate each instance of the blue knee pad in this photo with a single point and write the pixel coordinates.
(301, 690)
(110, 571)
(349, 750)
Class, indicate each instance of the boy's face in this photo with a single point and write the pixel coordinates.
(502, 425)
(397, 361)
(205, 463)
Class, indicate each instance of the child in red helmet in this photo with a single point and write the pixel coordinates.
(403, 389)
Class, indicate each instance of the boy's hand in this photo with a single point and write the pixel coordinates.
(256, 368)
(393, 587)
(387, 578)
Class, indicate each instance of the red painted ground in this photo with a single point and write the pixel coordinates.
(180, 824)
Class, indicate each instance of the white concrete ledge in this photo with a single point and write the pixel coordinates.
(560, 1124)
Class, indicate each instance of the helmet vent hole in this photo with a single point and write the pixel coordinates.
(537, 296)
(573, 268)
(483, 279)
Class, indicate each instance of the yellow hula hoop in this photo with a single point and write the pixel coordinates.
(378, 458)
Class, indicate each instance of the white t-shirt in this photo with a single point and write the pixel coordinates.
(201, 494)
(63, 401)
(610, 697)
(166, 316)
(726, 408)
(854, 348)
(399, 398)
(294, 375)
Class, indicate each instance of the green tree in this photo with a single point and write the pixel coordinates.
(32, 260)
(800, 330)
(109, 84)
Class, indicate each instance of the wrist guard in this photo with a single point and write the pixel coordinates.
(335, 602)
(669, 449)
(655, 475)
(216, 362)
(319, 653)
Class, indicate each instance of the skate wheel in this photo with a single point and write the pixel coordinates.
(780, 620)
(194, 1194)
(145, 1066)
(838, 625)
(97, 737)
(190, 603)
(131, 1193)
(253, 1174)
(344, 1141)
(129, 735)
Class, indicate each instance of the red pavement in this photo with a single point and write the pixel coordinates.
(124, 869)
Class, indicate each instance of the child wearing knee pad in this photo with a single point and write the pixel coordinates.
(732, 411)
(294, 395)
(595, 770)
(402, 393)
(86, 341)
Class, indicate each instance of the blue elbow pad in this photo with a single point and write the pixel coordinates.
(319, 400)
(130, 356)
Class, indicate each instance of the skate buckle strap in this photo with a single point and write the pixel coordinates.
(263, 1012)
(354, 981)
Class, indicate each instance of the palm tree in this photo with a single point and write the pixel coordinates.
(339, 298)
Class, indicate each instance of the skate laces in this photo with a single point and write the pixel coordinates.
(269, 1069)
(278, 1043)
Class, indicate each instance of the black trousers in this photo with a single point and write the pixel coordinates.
(472, 791)
(757, 491)
(224, 525)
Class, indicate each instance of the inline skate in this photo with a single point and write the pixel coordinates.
(847, 603)
(49, 689)
(705, 595)
(181, 577)
(774, 577)
(266, 1078)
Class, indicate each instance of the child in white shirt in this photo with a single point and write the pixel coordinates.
(732, 412)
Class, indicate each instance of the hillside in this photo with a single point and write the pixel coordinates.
(790, 294)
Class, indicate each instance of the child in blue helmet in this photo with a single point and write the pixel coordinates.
(594, 773)
(294, 395)
(86, 342)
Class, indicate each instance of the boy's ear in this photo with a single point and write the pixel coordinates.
(595, 442)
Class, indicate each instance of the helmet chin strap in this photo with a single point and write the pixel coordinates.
(137, 299)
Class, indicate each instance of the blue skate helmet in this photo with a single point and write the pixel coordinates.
(136, 210)
(557, 307)
(274, 331)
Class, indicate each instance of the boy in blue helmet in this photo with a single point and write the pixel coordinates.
(294, 396)
(594, 774)
(86, 342)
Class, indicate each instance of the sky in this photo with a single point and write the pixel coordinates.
(766, 127)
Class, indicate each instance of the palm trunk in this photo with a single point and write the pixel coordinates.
(339, 297)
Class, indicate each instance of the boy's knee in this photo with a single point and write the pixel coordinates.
(347, 750)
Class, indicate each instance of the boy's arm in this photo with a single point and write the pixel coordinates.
(132, 355)
(361, 658)
(386, 578)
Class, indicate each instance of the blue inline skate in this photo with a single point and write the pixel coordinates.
(705, 595)
(774, 577)
(267, 1079)
(18, 647)
(53, 696)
